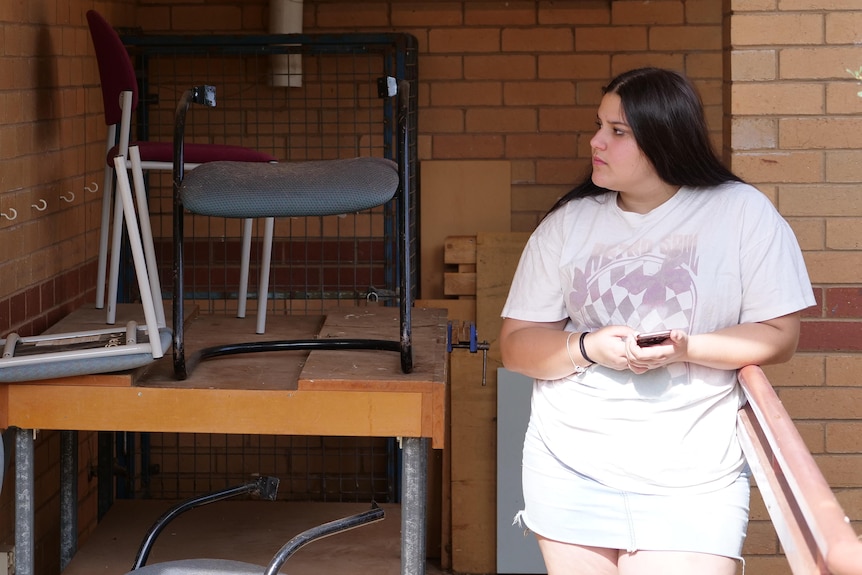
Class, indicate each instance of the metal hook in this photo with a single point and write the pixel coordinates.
(69, 199)
(92, 188)
(14, 213)
(42, 206)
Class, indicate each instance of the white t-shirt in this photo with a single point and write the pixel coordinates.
(704, 260)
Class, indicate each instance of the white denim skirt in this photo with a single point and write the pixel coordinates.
(563, 505)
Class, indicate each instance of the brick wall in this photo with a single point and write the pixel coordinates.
(51, 150)
(796, 132)
(499, 80)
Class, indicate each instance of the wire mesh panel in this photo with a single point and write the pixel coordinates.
(308, 467)
(335, 104)
(337, 107)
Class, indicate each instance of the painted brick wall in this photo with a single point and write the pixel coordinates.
(510, 80)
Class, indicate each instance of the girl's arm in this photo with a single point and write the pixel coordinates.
(539, 350)
(759, 343)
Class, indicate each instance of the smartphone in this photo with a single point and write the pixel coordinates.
(652, 338)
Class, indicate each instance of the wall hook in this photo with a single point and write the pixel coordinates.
(70, 199)
(92, 188)
(41, 206)
(12, 211)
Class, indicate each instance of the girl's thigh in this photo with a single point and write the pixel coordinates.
(569, 559)
(675, 563)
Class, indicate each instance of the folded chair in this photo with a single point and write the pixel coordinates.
(105, 350)
(120, 98)
(293, 189)
(265, 488)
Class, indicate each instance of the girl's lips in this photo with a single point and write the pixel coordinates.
(597, 161)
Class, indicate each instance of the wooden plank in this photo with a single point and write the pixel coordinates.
(497, 256)
(460, 250)
(474, 410)
(342, 393)
(459, 284)
(353, 369)
(265, 371)
(458, 198)
(357, 413)
(473, 464)
(463, 310)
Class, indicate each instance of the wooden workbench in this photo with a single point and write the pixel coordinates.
(351, 393)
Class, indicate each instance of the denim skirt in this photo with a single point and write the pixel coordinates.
(563, 505)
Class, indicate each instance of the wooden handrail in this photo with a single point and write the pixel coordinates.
(814, 531)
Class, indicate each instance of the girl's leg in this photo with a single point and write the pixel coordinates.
(568, 559)
(675, 563)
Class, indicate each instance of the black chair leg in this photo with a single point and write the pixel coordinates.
(183, 364)
(265, 487)
(339, 525)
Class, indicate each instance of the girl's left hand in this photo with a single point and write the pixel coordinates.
(642, 359)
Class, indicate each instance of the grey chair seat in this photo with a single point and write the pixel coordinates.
(200, 567)
(291, 189)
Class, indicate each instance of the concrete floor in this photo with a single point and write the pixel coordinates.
(251, 531)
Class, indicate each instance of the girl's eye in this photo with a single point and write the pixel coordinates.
(616, 131)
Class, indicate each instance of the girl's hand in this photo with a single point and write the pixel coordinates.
(641, 359)
(607, 346)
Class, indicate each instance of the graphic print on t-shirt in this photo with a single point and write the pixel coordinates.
(644, 286)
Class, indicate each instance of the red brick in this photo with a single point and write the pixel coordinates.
(466, 94)
(655, 12)
(703, 12)
(562, 171)
(442, 67)
(441, 120)
(426, 14)
(567, 119)
(468, 147)
(537, 40)
(505, 120)
(832, 336)
(822, 403)
(574, 12)
(218, 18)
(844, 437)
(690, 38)
(500, 67)
(517, 13)
(538, 93)
(541, 146)
(578, 67)
(463, 40)
(605, 39)
(844, 302)
(352, 15)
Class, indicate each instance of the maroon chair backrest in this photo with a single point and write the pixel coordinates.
(116, 71)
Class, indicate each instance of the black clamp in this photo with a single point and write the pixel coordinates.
(463, 335)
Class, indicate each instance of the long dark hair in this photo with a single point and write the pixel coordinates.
(666, 117)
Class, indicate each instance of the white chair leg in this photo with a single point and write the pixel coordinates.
(107, 195)
(114, 270)
(142, 270)
(147, 234)
(245, 259)
(266, 261)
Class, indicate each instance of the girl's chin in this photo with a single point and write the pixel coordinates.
(600, 181)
